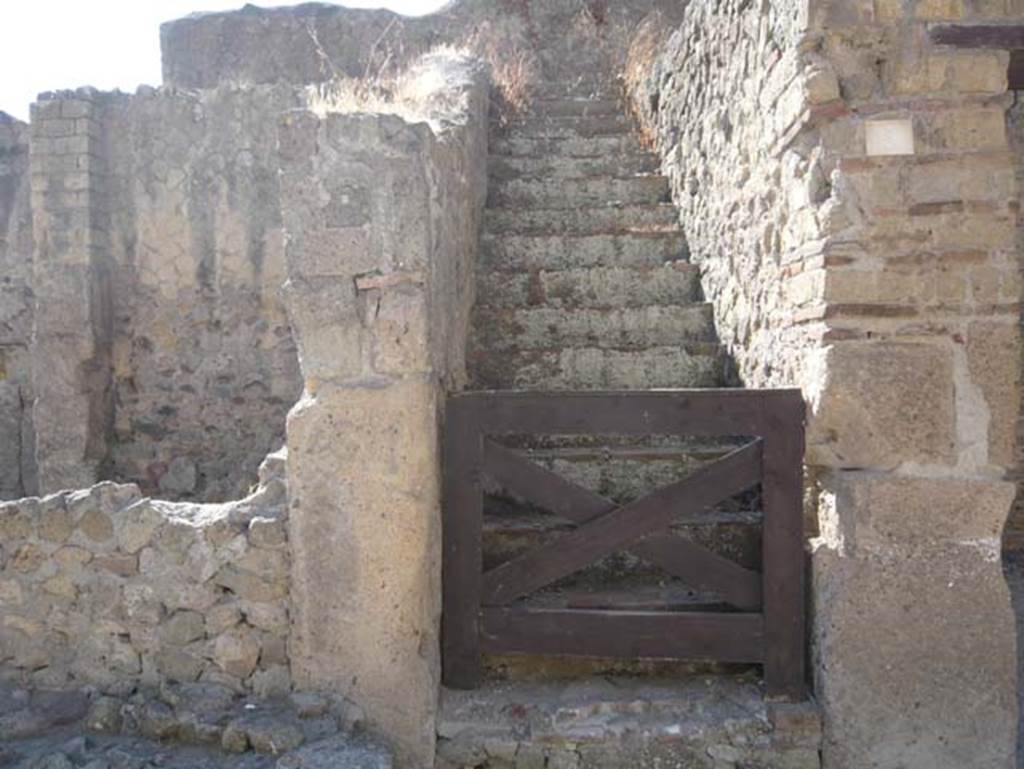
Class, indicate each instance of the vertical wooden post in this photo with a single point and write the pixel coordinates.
(783, 543)
(462, 563)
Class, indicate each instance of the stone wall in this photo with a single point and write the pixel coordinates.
(104, 588)
(165, 356)
(848, 190)
(158, 273)
(381, 216)
(204, 364)
(159, 256)
(17, 451)
(723, 100)
(314, 42)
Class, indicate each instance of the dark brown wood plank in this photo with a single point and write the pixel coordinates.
(677, 412)
(783, 557)
(1007, 36)
(736, 472)
(462, 559)
(1015, 75)
(623, 634)
(702, 570)
(674, 598)
(541, 486)
(696, 566)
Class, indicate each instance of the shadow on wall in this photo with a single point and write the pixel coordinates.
(1013, 536)
(177, 368)
(17, 450)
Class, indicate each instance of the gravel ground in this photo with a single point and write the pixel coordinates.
(183, 726)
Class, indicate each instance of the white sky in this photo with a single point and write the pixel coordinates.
(48, 45)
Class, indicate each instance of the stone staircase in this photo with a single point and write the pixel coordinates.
(584, 282)
(583, 276)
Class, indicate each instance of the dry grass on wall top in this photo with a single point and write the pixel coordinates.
(513, 68)
(386, 85)
(513, 45)
(640, 56)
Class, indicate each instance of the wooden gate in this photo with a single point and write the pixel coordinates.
(764, 622)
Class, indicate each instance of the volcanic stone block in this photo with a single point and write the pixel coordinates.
(880, 404)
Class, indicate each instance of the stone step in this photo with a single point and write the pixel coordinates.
(610, 219)
(591, 126)
(577, 88)
(573, 193)
(563, 252)
(568, 107)
(667, 284)
(568, 146)
(546, 328)
(697, 721)
(501, 167)
(594, 368)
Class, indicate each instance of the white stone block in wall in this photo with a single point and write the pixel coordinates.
(890, 137)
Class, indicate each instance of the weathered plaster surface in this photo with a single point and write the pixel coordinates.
(204, 364)
(163, 349)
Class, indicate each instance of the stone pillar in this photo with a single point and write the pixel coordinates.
(72, 325)
(381, 221)
(914, 391)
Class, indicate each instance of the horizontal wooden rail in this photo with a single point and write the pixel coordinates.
(999, 36)
(659, 412)
(624, 634)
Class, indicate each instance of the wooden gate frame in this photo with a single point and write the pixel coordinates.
(768, 630)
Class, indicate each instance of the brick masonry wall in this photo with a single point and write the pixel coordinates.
(17, 451)
(71, 343)
(748, 183)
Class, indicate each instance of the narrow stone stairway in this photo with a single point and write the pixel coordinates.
(584, 282)
(583, 278)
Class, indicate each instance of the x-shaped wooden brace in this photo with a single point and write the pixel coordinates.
(606, 527)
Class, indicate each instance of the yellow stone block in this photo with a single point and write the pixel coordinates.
(978, 72)
(939, 10)
(889, 10)
(989, 9)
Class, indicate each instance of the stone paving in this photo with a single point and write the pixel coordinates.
(699, 722)
(186, 726)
